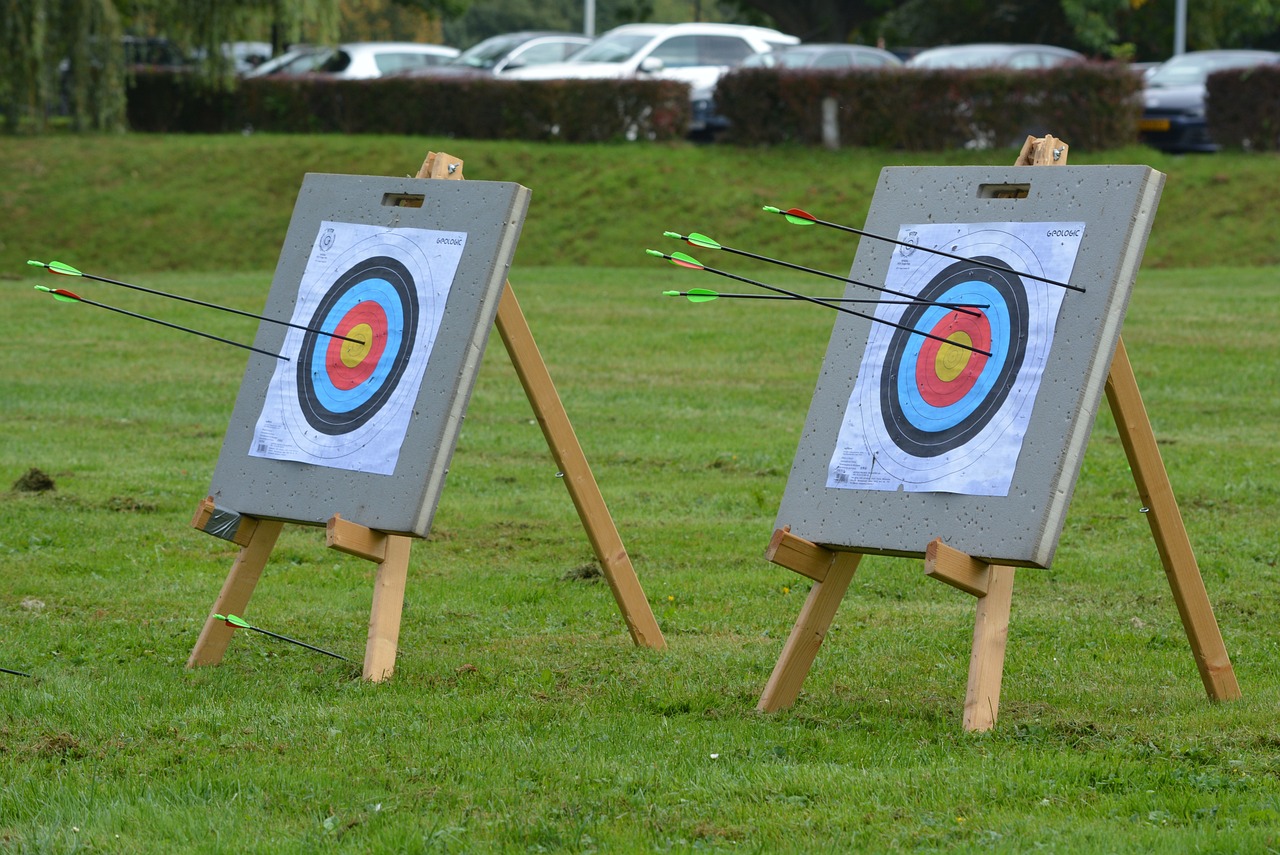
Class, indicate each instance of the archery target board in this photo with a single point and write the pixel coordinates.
(964, 416)
(389, 307)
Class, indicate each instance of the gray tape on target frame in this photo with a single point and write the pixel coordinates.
(490, 214)
(1117, 204)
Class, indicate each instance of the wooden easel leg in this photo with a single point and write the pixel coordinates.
(236, 591)
(1170, 533)
(808, 633)
(986, 662)
(388, 604)
(568, 455)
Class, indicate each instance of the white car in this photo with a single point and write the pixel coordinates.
(697, 54)
(357, 60)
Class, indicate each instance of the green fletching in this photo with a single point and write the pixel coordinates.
(799, 221)
(64, 269)
(703, 241)
(701, 295)
(236, 621)
(684, 260)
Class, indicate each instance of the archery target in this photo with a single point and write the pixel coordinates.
(946, 385)
(370, 304)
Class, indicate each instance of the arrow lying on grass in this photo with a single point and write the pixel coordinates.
(681, 259)
(15, 673)
(65, 296)
(68, 270)
(241, 623)
(700, 240)
(804, 218)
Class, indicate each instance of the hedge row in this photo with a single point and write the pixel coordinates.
(472, 108)
(1243, 110)
(1094, 106)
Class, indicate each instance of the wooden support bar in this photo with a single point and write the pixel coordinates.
(986, 661)
(808, 633)
(235, 594)
(355, 539)
(1170, 533)
(956, 568)
(388, 605)
(233, 527)
(799, 555)
(1043, 151)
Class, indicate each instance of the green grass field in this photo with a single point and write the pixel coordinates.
(521, 718)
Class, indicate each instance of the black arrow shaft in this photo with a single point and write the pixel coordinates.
(863, 315)
(196, 302)
(297, 642)
(80, 299)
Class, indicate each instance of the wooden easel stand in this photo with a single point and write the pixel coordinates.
(992, 584)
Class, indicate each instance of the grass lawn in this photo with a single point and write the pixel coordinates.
(521, 718)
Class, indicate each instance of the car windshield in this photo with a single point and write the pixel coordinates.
(1191, 70)
(619, 48)
(487, 53)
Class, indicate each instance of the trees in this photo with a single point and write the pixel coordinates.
(67, 57)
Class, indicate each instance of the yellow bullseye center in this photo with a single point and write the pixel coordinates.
(951, 360)
(353, 354)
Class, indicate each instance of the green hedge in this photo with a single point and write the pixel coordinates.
(1095, 106)
(1243, 108)
(472, 108)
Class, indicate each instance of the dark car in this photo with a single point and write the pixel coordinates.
(499, 54)
(823, 56)
(1174, 97)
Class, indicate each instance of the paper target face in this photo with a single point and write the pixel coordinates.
(942, 401)
(371, 300)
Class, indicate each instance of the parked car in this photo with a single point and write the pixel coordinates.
(696, 53)
(498, 55)
(995, 55)
(357, 60)
(1173, 114)
(823, 56)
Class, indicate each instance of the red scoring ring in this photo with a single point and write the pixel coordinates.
(346, 377)
(942, 392)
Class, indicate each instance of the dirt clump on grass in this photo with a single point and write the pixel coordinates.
(35, 481)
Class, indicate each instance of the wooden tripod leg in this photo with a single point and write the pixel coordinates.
(388, 605)
(612, 555)
(236, 591)
(808, 633)
(986, 662)
(1170, 533)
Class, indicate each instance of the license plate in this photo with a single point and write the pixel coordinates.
(1153, 125)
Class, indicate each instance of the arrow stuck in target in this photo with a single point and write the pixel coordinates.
(62, 269)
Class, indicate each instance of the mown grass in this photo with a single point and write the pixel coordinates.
(521, 718)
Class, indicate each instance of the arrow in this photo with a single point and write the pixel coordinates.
(703, 295)
(15, 673)
(681, 259)
(68, 270)
(695, 239)
(240, 623)
(804, 218)
(65, 296)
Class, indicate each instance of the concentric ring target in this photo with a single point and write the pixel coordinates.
(936, 396)
(342, 384)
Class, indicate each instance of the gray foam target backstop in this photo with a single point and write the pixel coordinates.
(1117, 205)
(490, 216)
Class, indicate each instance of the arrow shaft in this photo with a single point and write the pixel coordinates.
(297, 642)
(943, 253)
(15, 673)
(834, 300)
(839, 278)
(858, 314)
(80, 299)
(220, 308)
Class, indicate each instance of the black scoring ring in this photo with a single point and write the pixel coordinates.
(902, 432)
